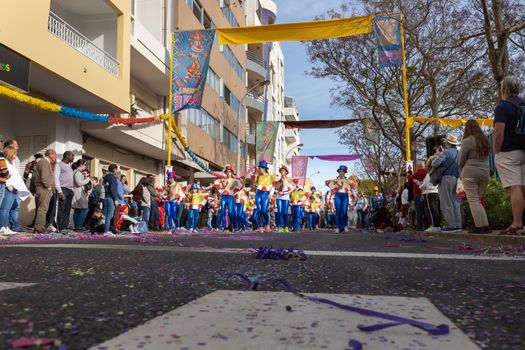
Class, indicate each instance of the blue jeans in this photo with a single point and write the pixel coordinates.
(79, 217)
(238, 216)
(171, 208)
(362, 217)
(5, 207)
(420, 213)
(144, 211)
(282, 212)
(313, 220)
(296, 217)
(194, 218)
(2, 192)
(261, 201)
(227, 200)
(13, 214)
(51, 212)
(108, 209)
(341, 210)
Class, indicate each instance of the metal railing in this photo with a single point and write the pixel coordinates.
(67, 33)
(256, 58)
(253, 95)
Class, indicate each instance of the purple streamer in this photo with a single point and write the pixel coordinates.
(337, 157)
(442, 329)
(355, 344)
(407, 239)
(280, 254)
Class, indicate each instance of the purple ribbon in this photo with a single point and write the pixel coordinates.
(336, 157)
(280, 254)
(407, 239)
(396, 320)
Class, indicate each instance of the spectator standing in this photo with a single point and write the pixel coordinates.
(80, 203)
(431, 202)
(125, 188)
(154, 204)
(446, 165)
(13, 214)
(142, 198)
(362, 210)
(64, 190)
(419, 175)
(15, 191)
(110, 184)
(29, 172)
(510, 151)
(475, 172)
(4, 176)
(14, 144)
(45, 186)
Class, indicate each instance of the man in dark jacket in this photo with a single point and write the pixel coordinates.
(111, 196)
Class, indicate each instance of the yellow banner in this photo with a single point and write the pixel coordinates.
(316, 30)
(453, 123)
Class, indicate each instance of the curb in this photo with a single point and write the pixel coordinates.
(488, 238)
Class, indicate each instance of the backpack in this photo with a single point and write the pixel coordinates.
(518, 137)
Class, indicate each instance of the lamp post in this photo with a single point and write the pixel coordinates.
(316, 173)
(291, 149)
(261, 83)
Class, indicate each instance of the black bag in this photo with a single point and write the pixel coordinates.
(518, 137)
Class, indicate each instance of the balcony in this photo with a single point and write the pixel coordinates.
(291, 135)
(250, 134)
(67, 33)
(255, 102)
(255, 64)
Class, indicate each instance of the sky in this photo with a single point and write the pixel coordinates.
(312, 95)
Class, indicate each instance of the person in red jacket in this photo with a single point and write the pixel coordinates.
(419, 175)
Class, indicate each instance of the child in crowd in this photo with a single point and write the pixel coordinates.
(126, 222)
(197, 201)
(96, 221)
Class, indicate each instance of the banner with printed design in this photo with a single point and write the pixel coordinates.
(388, 39)
(191, 52)
(265, 140)
(299, 166)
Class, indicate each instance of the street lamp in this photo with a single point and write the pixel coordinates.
(291, 149)
(261, 83)
(316, 173)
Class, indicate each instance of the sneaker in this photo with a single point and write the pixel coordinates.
(52, 228)
(337, 230)
(267, 230)
(109, 234)
(433, 229)
(6, 231)
(450, 230)
(260, 230)
(346, 229)
(286, 230)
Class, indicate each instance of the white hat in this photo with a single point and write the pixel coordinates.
(452, 139)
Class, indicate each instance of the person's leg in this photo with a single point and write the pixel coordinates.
(344, 209)
(167, 213)
(472, 190)
(517, 202)
(284, 206)
(13, 214)
(51, 210)
(68, 199)
(5, 206)
(45, 196)
(82, 218)
(419, 212)
(445, 200)
(457, 205)
(61, 212)
(109, 210)
(338, 210)
(258, 205)
(175, 214)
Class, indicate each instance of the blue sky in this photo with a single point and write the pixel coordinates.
(312, 95)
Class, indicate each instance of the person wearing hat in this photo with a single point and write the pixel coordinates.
(171, 205)
(197, 201)
(283, 187)
(227, 187)
(313, 208)
(297, 197)
(265, 182)
(445, 173)
(340, 186)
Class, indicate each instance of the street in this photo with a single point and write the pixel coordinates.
(87, 292)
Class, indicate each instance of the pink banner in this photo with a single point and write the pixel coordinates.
(299, 165)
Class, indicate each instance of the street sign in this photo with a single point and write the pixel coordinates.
(14, 69)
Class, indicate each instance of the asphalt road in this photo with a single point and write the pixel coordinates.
(85, 296)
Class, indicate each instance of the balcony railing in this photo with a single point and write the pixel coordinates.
(256, 58)
(65, 32)
(259, 98)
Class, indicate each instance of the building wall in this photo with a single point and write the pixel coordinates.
(24, 29)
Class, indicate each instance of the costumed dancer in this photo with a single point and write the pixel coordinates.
(297, 198)
(241, 198)
(340, 186)
(227, 187)
(264, 182)
(170, 205)
(197, 201)
(313, 208)
(330, 210)
(283, 187)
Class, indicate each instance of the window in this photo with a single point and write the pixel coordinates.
(243, 150)
(234, 63)
(229, 140)
(189, 3)
(234, 103)
(213, 80)
(204, 121)
(197, 10)
(227, 12)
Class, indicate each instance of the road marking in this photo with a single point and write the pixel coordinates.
(249, 251)
(11, 285)
(260, 320)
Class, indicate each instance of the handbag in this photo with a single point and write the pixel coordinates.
(437, 174)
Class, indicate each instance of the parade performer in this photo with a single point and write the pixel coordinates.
(297, 199)
(227, 188)
(330, 210)
(171, 205)
(197, 201)
(313, 209)
(283, 187)
(376, 200)
(248, 209)
(264, 182)
(241, 198)
(341, 187)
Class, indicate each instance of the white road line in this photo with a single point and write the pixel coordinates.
(349, 254)
(11, 285)
(280, 320)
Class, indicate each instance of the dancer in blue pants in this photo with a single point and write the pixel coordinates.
(297, 199)
(265, 183)
(283, 188)
(227, 187)
(341, 187)
(171, 205)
